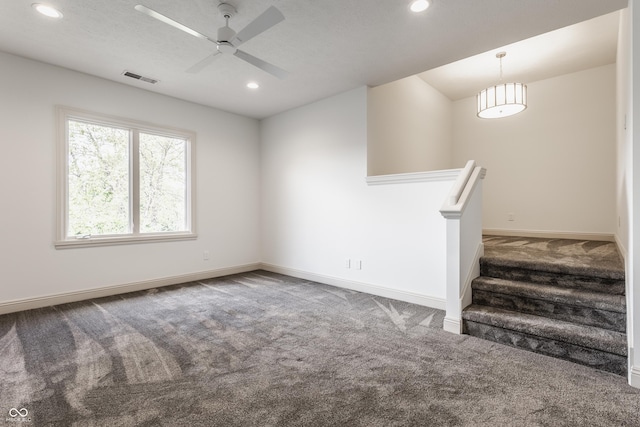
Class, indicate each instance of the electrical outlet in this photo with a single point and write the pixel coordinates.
(358, 265)
(511, 216)
(347, 264)
(205, 255)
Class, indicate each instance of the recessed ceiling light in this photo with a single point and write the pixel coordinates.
(419, 5)
(253, 85)
(47, 10)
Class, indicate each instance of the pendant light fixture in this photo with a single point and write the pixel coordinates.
(503, 99)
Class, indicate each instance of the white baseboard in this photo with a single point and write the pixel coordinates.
(427, 301)
(634, 377)
(474, 271)
(63, 298)
(604, 237)
(621, 248)
(452, 325)
(67, 297)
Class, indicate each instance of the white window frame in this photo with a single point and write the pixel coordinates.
(62, 241)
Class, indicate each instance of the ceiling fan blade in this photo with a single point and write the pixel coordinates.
(160, 17)
(202, 64)
(265, 66)
(268, 19)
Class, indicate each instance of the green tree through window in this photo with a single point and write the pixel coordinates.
(162, 184)
(98, 180)
(123, 180)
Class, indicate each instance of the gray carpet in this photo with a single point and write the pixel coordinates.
(261, 349)
(558, 297)
(567, 256)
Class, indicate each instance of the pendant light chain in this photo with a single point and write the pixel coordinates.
(501, 55)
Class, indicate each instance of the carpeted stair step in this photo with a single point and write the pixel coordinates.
(580, 306)
(588, 345)
(597, 279)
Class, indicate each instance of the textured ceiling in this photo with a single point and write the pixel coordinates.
(328, 46)
(585, 45)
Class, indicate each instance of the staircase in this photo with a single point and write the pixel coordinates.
(560, 298)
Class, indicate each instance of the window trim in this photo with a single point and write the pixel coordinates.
(62, 168)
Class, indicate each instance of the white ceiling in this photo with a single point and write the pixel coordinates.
(328, 46)
(574, 48)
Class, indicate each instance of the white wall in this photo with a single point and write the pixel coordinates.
(628, 160)
(630, 55)
(624, 159)
(227, 167)
(410, 128)
(318, 211)
(553, 165)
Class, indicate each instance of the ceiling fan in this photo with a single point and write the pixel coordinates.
(228, 40)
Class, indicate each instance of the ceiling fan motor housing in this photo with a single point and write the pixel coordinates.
(225, 34)
(226, 47)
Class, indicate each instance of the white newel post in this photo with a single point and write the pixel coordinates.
(452, 320)
(463, 212)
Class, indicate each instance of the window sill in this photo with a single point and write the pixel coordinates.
(125, 240)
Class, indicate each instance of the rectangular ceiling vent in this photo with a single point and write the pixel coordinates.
(139, 77)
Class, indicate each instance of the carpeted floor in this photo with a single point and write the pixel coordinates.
(261, 349)
(566, 254)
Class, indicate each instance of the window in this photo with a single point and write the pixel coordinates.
(121, 181)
